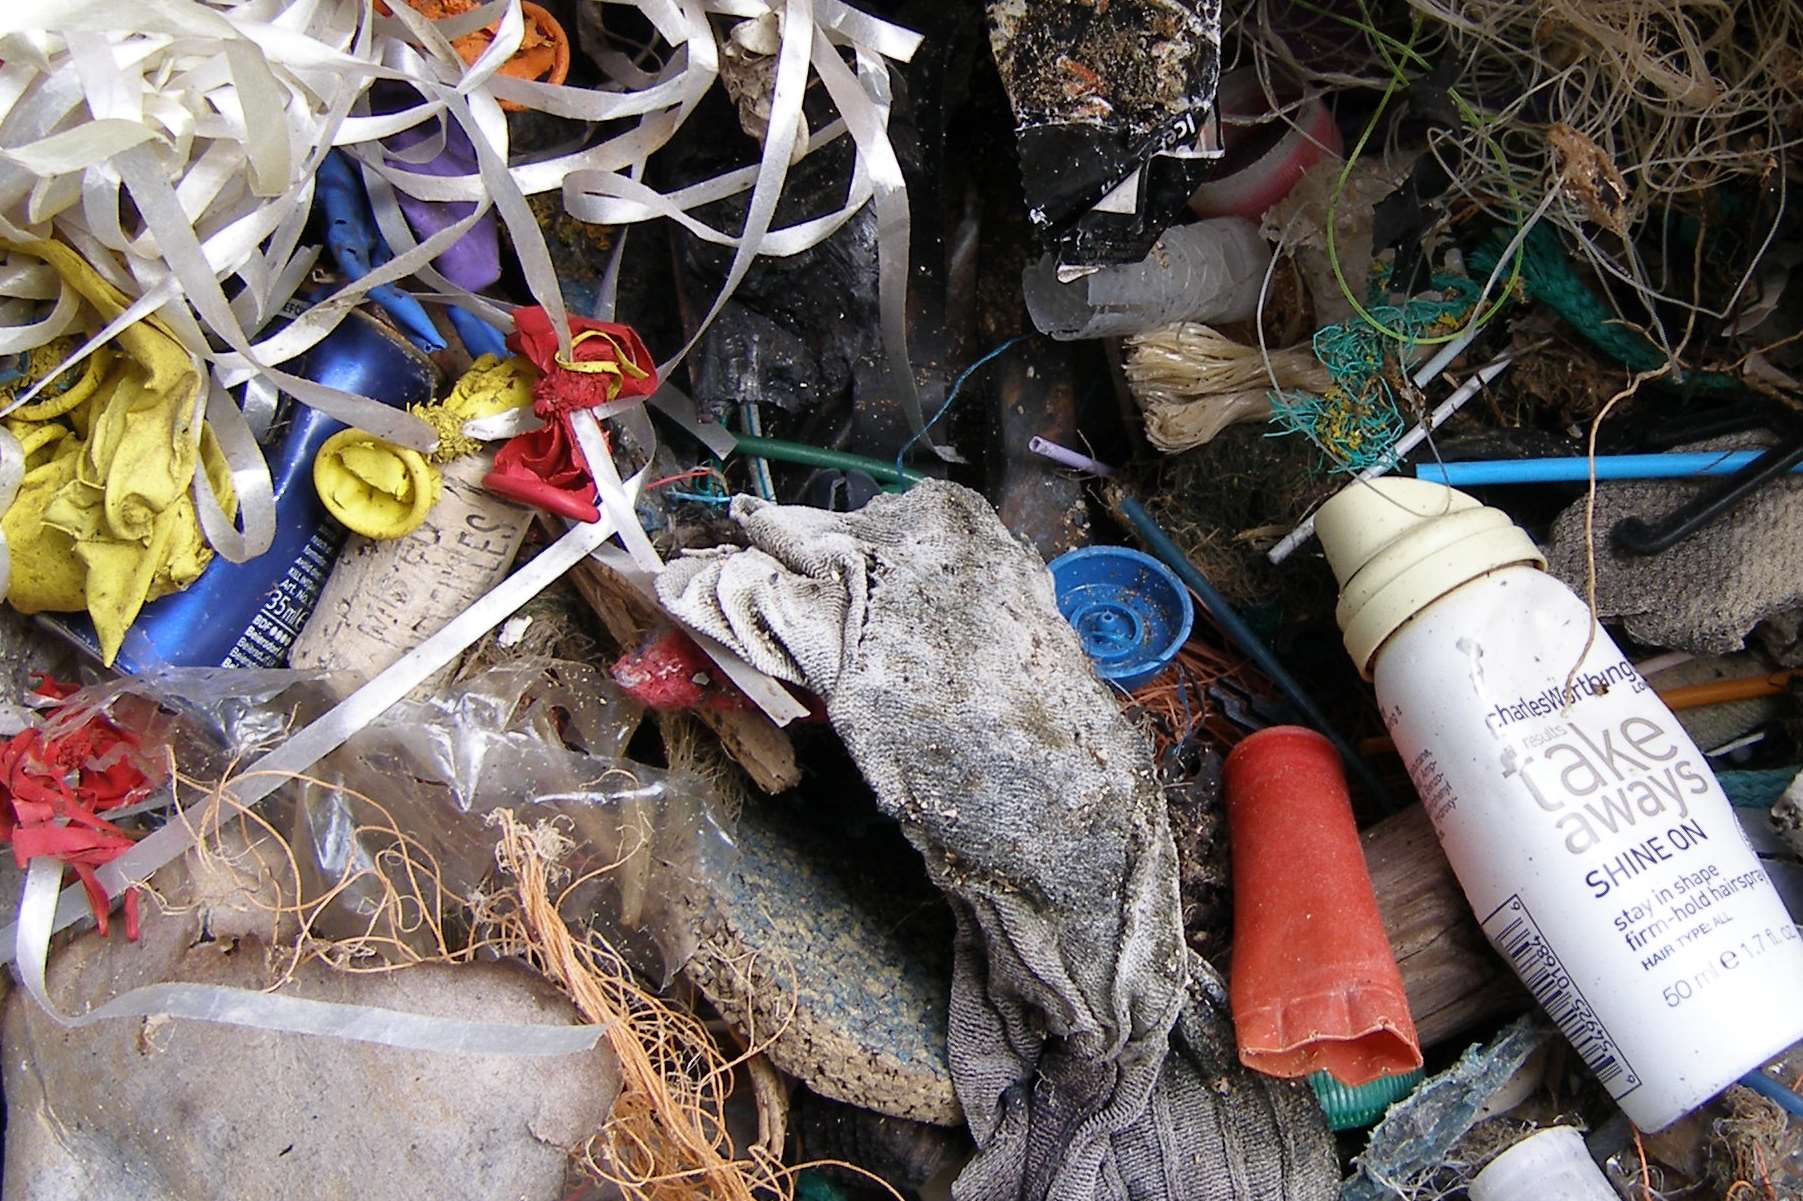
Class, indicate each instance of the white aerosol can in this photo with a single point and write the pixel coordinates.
(1587, 830)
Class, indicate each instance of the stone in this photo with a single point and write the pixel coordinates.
(174, 1110)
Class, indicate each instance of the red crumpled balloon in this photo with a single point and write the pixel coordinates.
(670, 673)
(546, 467)
(56, 790)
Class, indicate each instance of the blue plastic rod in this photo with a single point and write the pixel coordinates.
(1480, 472)
(1234, 626)
(1771, 1090)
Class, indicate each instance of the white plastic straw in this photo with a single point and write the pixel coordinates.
(1408, 441)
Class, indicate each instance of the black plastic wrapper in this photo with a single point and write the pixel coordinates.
(1103, 91)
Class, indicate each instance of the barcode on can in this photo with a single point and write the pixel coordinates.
(1514, 933)
(275, 625)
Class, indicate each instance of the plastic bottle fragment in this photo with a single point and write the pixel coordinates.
(1314, 983)
(1210, 271)
(1552, 1163)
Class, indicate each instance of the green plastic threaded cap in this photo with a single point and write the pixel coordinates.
(1354, 1107)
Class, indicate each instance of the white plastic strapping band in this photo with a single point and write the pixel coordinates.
(212, 119)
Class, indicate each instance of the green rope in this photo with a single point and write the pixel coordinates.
(1755, 789)
(1552, 279)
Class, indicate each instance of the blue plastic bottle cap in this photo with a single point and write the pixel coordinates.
(1132, 613)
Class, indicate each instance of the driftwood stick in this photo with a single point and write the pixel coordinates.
(1452, 977)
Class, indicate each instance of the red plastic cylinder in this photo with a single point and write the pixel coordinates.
(1314, 984)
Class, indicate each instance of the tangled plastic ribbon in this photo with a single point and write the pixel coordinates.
(547, 466)
(175, 145)
(57, 784)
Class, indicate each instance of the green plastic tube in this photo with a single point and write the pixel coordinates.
(820, 456)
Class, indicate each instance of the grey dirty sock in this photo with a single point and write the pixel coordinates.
(967, 702)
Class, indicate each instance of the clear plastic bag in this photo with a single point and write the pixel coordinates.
(545, 738)
(646, 840)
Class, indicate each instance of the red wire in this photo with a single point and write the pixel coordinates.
(696, 474)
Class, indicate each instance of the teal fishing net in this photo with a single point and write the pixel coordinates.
(1360, 417)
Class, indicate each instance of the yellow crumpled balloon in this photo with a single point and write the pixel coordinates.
(103, 520)
(384, 491)
(374, 487)
(489, 388)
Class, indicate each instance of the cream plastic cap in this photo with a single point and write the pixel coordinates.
(1397, 545)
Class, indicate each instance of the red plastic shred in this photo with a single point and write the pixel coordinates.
(669, 672)
(56, 791)
(608, 362)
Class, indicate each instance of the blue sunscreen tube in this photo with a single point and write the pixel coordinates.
(248, 614)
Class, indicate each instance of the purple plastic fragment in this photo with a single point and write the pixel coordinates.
(474, 260)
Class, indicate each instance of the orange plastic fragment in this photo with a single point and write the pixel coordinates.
(544, 52)
(1314, 984)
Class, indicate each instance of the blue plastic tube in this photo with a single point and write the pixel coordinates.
(1234, 626)
(1771, 1090)
(1483, 472)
